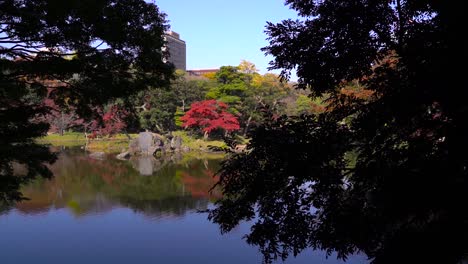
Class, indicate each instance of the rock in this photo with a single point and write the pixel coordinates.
(158, 142)
(97, 155)
(158, 136)
(152, 150)
(167, 146)
(145, 142)
(176, 157)
(176, 143)
(169, 136)
(145, 165)
(133, 147)
(185, 149)
(124, 155)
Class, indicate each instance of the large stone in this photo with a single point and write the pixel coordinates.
(133, 147)
(145, 142)
(145, 165)
(152, 150)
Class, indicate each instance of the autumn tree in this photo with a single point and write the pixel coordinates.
(110, 122)
(94, 52)
(247, 67)
(264, 90)
(158, 109)
(246, 91)
(210, 115)
(384, 174)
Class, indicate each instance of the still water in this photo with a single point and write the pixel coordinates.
(113, 211)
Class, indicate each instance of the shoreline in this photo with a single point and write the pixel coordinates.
(120, 143)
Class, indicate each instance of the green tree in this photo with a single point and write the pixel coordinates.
(384, 175)
(264, 90)
(189, 90)
(91, 51)
(230, 88)
(160, 109)
(247, 67)
(157, 109)
(303, 105)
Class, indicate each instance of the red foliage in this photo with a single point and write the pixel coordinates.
(209, 115)
(112, 123)
(59, 119)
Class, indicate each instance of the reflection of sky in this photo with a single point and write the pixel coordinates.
(124, 236)
(106, 212)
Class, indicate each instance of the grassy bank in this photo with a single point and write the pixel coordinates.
(120, 142)
(199, 144)
(69, 139)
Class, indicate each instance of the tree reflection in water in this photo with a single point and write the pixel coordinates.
(166, 187)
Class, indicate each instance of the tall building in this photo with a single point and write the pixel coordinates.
(177, 50)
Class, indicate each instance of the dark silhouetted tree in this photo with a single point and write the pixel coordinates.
(92, 52)
(383, 173)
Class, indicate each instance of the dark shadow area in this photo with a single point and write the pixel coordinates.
(383, 170)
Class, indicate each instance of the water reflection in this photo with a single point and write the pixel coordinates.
(156, 188)
(105, 211)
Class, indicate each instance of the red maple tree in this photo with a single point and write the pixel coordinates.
(112, 123)
(210, 115)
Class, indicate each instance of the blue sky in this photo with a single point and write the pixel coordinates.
(223, 32)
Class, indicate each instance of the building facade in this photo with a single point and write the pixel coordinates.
(201, 72)
(177, 50)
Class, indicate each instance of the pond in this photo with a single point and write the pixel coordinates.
(112, 211)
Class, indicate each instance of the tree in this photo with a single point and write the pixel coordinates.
(384, 174)
(159, 109)
(263, 90)
(189, 90)
(303, 105)
(60, 119)
(93, 52)
(109, 122)
(246, 91)
(247, 67)
(210, 115)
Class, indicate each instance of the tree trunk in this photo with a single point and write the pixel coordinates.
(249, 120)
(247, 125)
(126, 134)
(61, 128)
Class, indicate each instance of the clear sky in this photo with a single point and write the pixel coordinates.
(224, 32)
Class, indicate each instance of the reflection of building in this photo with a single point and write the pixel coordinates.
(201, 72)
(177, 50)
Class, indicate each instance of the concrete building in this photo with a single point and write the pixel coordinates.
(201, 72)
(177, 50)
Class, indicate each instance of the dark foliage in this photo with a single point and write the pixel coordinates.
(386, 176)
(85, 53)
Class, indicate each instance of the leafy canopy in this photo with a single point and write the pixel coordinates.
(383, 173)
(85, 52)
(210, 115)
